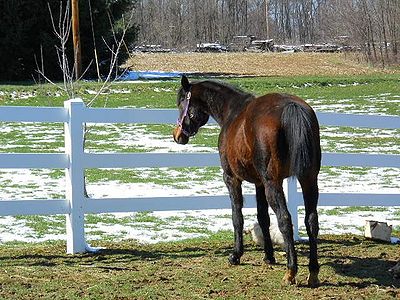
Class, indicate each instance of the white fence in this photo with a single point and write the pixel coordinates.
(74, 114)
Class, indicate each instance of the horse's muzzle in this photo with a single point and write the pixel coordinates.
(179, 136)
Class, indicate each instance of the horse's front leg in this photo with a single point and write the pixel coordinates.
(235, 192)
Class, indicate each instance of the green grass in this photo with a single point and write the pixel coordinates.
(43, 225)
(336, 139)
(103, 218)
(330, 90)
(352, 268)
(147, 217)
(160, 176)
(337, 211)
(163, 94)
(396, 231)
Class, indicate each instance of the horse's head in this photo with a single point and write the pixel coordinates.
(192, 114)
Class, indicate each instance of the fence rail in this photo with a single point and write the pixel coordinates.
(74, 114)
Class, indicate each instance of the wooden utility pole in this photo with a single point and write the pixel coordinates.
(76, 39)
(266, 18)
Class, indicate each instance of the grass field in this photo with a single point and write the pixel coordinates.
(353, 268)
(363, 92)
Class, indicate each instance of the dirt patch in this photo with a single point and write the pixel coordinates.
(253, 64)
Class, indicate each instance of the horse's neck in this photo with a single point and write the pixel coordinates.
(224, 107)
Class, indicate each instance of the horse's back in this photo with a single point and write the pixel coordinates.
(256, 136)
(272, 104)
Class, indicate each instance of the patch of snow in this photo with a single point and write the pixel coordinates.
(22, 95)
(108, 91)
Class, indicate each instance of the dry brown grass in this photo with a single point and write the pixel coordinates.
(256, 64)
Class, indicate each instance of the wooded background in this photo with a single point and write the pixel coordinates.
(28, 41)
(371, 25)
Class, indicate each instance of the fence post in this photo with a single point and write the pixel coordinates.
(75, 177)
(292, 203)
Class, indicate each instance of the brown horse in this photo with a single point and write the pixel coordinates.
(263, 140)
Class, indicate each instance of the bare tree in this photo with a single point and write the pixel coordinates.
(372, 25)
(62, 29)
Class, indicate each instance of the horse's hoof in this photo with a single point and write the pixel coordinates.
(312, 280)
(288, 282)
(270, 261)
(234, 260)
(289, 278)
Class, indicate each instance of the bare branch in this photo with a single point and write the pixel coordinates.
(114, 57)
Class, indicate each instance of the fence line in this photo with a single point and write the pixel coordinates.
(74, 114)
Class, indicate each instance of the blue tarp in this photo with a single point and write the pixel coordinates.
(137, 75)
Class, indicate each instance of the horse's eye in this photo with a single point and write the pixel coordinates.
(191, 115)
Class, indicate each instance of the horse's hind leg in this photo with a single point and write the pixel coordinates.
(276, 199)
(264, 222)
(235, 192)
(310, 195)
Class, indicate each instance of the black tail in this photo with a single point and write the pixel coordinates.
(302, 137)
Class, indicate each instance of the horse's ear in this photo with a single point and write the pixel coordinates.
(185, 83)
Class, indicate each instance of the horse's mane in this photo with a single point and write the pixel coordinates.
(219, 85)
(217, 91)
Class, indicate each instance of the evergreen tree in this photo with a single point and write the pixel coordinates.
(28, 41)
